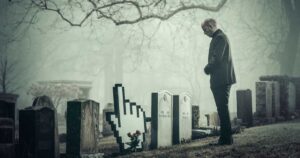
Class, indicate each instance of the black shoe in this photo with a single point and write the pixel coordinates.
(225, 141)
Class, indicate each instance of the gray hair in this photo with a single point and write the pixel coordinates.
(209, 22)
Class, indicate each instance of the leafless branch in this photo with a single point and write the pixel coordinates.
(110, 9)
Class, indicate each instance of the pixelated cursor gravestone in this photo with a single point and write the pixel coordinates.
(127, 118)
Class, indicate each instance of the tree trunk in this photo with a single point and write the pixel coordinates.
(288, 57)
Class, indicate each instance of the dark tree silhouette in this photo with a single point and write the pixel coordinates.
(288, 57)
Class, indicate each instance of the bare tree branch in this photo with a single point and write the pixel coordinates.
(114, 10)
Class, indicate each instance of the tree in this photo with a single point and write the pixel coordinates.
(7, 75)
(122, 11)
(288, 57)
(58, 92)
(277, 28)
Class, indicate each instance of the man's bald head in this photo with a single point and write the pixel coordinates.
(209, 26)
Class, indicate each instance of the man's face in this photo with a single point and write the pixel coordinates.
(207, 30)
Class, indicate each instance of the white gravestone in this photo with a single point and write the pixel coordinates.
(161, 119)
(185, 118)
(127, 118)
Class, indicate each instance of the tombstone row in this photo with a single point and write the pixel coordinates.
(276, 98)
(171, 123)
(171, 119)
(38, 129)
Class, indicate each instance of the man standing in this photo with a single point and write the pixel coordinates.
(222, 76)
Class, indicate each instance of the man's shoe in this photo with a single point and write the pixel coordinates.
(227, 141)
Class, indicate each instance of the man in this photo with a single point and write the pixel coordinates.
(222, 76)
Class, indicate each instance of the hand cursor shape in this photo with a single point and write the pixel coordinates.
(126, 118)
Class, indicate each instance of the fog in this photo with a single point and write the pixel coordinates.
(148, 56)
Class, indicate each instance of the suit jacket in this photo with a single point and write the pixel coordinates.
(220, 66)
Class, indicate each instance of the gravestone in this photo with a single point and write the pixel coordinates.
(182, 118)
(195, 116)
(38, 132)
(244, 107)
(275, 99)
(106, 130)
(289, 88)
(296, 81)
(161, 119)
(82, 128)
(214, 119)
(264, 99)
(291, 98)
(7, 125)
(128, 122)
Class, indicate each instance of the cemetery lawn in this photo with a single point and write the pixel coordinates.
(274, 140)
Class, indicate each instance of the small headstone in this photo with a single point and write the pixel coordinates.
(214, 119)
(106, 131)
(264, 99)
(244, 107)
(182, 118)
(195, 116)
(128, 122)
(38, 132)
(82, 127)
(161, 119)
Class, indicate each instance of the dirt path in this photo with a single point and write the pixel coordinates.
(275, 140)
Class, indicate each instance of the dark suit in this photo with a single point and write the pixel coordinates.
(222, 76)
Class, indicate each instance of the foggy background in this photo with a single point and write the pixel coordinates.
(148, 56)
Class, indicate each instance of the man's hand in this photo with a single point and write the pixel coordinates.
(206, 70)
(127, 118)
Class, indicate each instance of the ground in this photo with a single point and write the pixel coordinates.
(275, 140)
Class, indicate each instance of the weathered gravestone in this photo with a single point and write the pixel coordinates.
(195, 116)
(106, 130)
(264, 99)
(182, 118)
(289, 86)
(82, 128)
(128, 121)
(291, 98)
(214, 119)
(7, 125)
(275, 99)
(161, 119)
(296, 81)
(38, 130)
(244, 107)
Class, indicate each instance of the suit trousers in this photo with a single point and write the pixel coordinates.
(221, 96)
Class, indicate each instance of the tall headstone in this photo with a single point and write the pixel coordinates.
(195, 116)
(291, 98)
(37, 132)
(128, 122)
(182, 118)
(244, 107)
(7, 125)
(289, 88)
(106, 130)
(82, 128)
(161, 119)
(296, 81)
(264, 99)
(275, 99)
